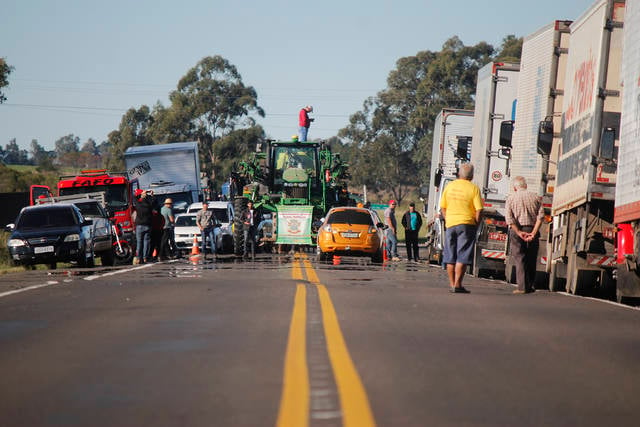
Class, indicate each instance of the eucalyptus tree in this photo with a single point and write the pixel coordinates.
(5, 70)
(133, 131)
(210, 102)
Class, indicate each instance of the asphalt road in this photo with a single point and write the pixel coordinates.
(285, 341)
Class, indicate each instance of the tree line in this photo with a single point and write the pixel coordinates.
(387, 143)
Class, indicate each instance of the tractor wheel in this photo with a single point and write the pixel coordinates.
(239, 205)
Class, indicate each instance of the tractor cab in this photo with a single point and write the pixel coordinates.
(294, 170)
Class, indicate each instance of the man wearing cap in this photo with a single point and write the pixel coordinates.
(304, 122)
(392, 235)
(412, 221)
(209, 227)
(167, 244)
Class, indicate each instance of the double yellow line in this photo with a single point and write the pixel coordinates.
(294, 404)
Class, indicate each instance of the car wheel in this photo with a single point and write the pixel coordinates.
(107, 258)
(378, 257)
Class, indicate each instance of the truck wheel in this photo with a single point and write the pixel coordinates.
(239, 205)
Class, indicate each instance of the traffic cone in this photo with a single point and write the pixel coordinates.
(195, 249)
(195, 252)
(385, 255)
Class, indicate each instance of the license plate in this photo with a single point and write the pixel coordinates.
(43, 249)
(350, 235)
(498, 236)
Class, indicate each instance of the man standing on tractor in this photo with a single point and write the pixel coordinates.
(304, 122)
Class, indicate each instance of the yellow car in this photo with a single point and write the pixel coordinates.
(351, 231)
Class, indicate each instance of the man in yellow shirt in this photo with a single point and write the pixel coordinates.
(461, 206)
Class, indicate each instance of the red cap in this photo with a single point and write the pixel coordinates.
(391, 201)
(138, 192)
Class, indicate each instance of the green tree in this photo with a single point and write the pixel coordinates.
(13, 155)
(392, 135)
(211, 101)
(133, 131)
(66, 149)
(5, 70)
(234, 147)
(510, 49)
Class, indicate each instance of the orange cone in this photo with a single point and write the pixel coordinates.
(385, 255)
(195, 249)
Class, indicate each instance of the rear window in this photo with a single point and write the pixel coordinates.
(350, 217)
(186, 221)
(37, 218)
(90, 209)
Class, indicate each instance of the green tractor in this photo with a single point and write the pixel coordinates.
(296, 183)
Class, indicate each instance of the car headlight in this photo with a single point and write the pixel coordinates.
(14, 243)
(327, 228)
(72, 238)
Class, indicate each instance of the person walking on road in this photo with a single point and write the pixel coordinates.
(392, 231)
(143, 221)
(304, 122)
(461, 206)
(250, 223)
(209, 228)
(167, 244)
(412, 221)
(524, 215)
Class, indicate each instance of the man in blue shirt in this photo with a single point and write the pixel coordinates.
(412, 221)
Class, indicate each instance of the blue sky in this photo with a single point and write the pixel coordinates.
(79, 65)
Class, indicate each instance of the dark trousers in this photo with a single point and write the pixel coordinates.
(411, 239)
(250, 239)
(524, 255)
(167, 244)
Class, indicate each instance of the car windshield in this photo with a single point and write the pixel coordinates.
(294, 158)
(350, 217)
(115, 195)
(221, 214)
(90, 209)
(40, 218)
(186, 221)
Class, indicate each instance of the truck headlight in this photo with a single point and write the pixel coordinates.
(72, 238)
(14, 243)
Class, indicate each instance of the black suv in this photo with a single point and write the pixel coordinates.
(49, 234)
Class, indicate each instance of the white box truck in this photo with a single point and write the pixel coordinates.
(582, 257)
(451, 144)
(627, 199)
(170, 170)
(493, 121)
(536, 134)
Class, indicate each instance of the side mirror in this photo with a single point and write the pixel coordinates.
(438, 178)
(607, 144)
(9, 228)
(506, 133)
(88, 221)
(545, 137)
(381, 225)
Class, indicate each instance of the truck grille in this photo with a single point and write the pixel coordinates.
(295, 192)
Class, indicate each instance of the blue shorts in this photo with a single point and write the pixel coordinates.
(458, 244)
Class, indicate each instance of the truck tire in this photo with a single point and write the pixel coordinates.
(239, 205)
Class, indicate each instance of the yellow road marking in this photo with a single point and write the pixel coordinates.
(356, 411)
(294, 403)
